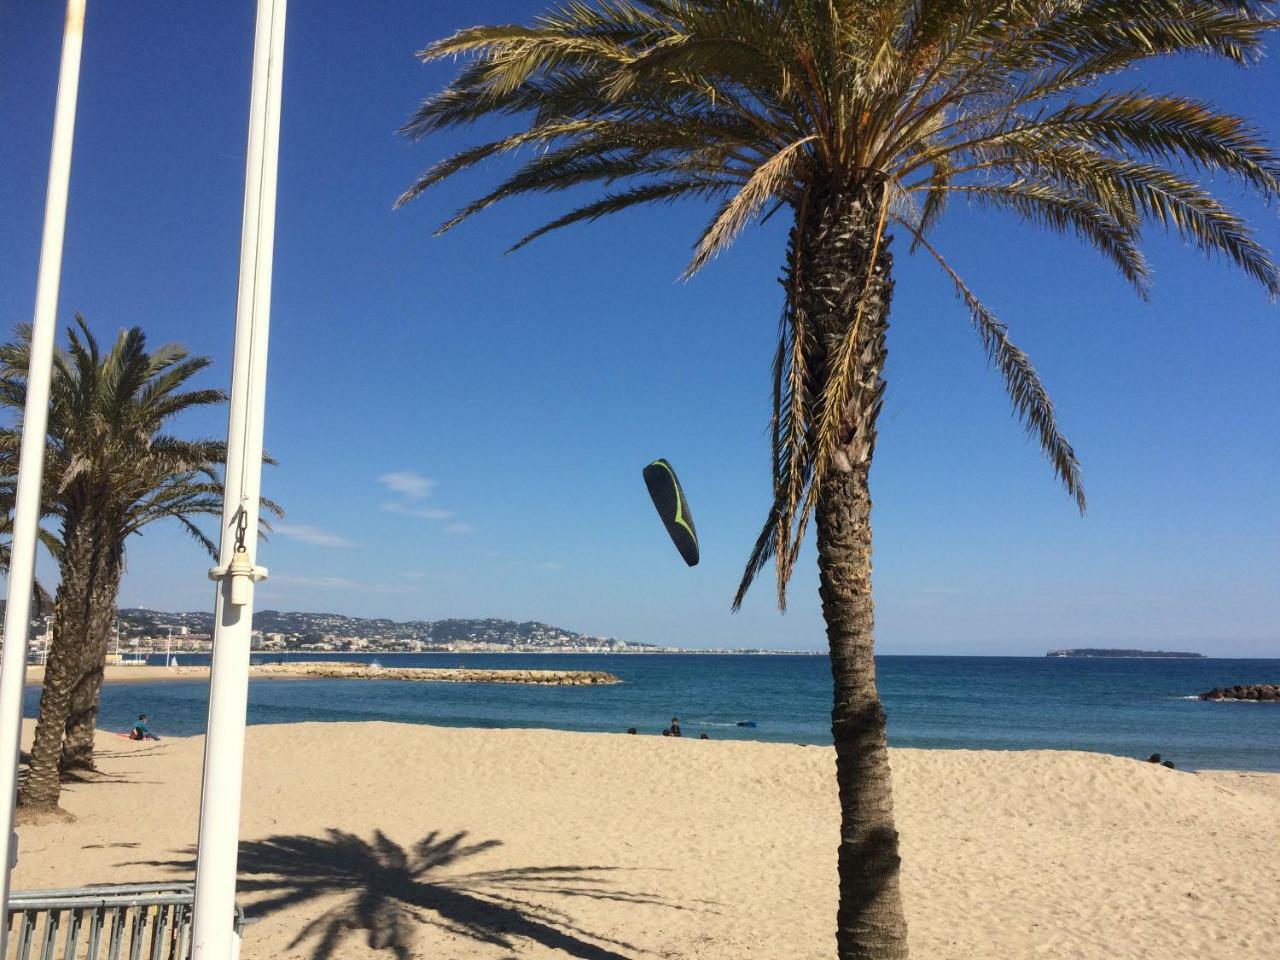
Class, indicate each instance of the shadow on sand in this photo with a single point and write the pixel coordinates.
(387, 891)
(94, 776)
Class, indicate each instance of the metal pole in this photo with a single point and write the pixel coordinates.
(214, 912)
(35, 421)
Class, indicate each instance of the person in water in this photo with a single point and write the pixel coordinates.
(675, 726)
(140, 731)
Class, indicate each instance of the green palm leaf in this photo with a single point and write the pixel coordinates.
(756, 105)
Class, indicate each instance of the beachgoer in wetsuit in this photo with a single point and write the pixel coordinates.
(675, 726)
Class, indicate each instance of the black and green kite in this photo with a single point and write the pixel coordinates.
(672, 507)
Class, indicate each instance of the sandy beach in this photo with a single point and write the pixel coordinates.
(134, 674)
(394, 840)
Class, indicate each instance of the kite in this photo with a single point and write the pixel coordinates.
(672, 507)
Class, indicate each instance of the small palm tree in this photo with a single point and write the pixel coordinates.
(862, 117)
(109, 472)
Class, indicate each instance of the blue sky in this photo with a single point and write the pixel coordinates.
(461, 433)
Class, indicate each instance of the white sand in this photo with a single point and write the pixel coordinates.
(133, 673)
(540, 844)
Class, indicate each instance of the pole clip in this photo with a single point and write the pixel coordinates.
(241, 571)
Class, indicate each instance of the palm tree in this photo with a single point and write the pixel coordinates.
(862, 117)
(109, 471)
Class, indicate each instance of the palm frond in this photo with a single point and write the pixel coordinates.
(108, 459)
(773, 179)
(1019, 106)
(1031, 402)
(613, 202)
(1047, 205)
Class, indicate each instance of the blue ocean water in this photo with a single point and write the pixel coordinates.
(1126, 707)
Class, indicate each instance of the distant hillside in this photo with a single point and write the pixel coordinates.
(1118, 653)
(315, 626)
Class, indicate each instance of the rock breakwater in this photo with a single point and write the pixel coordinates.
(1248, 691)
(364, 671)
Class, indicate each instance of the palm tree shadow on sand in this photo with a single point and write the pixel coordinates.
(389, 891)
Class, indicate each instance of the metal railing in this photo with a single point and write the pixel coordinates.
(121, 922)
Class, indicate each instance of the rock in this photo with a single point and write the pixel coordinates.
(360, 671)
(1258, 691)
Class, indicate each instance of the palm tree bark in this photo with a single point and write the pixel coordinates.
(72, 608)
(839, 288)
(82, 715)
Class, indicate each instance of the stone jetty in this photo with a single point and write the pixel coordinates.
(323, 670)
(1249, 691)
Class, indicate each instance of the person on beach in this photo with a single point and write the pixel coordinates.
(675, 726)
(140, 731)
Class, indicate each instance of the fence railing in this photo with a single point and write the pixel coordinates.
(120, 922)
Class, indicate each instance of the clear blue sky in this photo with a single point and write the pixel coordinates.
(414, 377)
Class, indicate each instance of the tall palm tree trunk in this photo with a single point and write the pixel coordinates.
(72, 609)
(838, 287)
(82, 716)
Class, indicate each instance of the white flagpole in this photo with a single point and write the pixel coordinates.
(35, 420)
(216, 853)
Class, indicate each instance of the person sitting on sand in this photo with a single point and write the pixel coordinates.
(140, 731)
(675, 726)
(704, 736)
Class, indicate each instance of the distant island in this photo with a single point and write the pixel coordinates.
(1123, 654)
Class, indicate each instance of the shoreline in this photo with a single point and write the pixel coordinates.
(176, 699)
(1265, 781)
(692, 652)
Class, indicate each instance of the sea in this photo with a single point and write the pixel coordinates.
(1127, 707)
